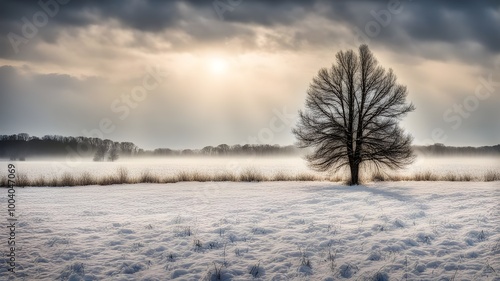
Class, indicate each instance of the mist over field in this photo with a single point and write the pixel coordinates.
(268, 166)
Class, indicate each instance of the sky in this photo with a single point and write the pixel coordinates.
(187, 74)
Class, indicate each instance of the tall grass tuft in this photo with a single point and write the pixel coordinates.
(53, 181)
(67, 179)
(425, 176)
(451, 177)
(379, 176)
(280, 176)
(40, 181)
(491, 176)
(86, 179)
(305, 177)
(225, 176)
(22, 180)
(251, 175)
(184, 176)
(466, 177)
(147, 177)
(122, 176)
(337, 177)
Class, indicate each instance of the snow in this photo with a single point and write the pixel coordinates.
(273, 230)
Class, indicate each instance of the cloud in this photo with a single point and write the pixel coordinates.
(419, 22)
(92, 51)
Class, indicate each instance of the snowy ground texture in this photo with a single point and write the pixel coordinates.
(259, 231)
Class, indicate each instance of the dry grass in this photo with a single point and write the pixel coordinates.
(451, 177)
(52, 182)
(249, 175)
(379, 176)
(425, 176)
(491, 176)
(40, 181)
(122, 175)
(147, 177)
(227, 176)
(86, 179)
(22, 180)
(279, 176)
(305, 177)
(67, 180)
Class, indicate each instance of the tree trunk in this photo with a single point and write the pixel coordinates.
(354, 174)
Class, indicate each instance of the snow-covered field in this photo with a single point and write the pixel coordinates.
(270, 230)
(268, 166)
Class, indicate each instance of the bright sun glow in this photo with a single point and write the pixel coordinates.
(218, 66)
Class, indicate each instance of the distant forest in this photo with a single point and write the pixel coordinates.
(23, 146)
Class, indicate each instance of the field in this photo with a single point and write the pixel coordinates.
(257, 225)
(167, 170)
(259, 231)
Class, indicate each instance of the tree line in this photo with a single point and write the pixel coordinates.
(439, 149)
(23, 146)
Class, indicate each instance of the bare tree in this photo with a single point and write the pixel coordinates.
(114, 152)
(352, 115)
(100, 152)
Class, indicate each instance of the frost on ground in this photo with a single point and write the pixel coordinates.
(259, 231)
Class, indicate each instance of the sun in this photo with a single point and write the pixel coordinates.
(218, 66)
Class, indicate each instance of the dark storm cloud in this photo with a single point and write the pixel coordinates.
(103, 38)
(420, 21)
